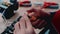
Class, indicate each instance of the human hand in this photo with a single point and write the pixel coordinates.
(24, 26)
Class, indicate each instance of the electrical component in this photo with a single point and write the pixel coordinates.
(8, 9)
(25, 4)
(51, 5)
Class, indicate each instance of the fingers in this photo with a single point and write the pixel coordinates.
(17, 26)
(20, 26)
(41, 23)
(28, 23)
(23, 26)
(22, 23)
(36, 22)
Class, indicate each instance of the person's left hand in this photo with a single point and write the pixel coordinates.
(24, 26)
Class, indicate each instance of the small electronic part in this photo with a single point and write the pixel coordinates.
(51, 5)
(7, 9)
(25, 4)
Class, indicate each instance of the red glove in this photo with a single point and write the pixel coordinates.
(38, 23)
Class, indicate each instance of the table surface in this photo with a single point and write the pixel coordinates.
(21, 11)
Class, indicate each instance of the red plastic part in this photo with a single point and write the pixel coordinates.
(46, 4)
(24, 2)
